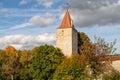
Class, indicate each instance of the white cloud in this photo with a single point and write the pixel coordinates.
(21, 26)
(118, 2)
(46, 38)
(17, 46)
(26, 41)
(91, 4)
(4, 11)
(43, 21)
(48, 4)
(22, 2)
(87, 13)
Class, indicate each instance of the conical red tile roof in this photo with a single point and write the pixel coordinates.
(66, 22)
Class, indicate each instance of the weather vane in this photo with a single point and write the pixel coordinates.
(67, 5)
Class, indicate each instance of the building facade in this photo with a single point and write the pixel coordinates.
(67, 36)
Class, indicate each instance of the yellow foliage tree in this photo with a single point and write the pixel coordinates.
(24, 56)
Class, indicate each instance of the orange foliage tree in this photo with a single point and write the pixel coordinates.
(11, 51)
(11, 65)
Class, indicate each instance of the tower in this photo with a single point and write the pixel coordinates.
(67, 36)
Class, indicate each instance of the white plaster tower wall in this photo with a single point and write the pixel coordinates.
(64, 40)
(67, 36)
(67, 41)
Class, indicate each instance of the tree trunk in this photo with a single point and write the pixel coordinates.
(12, 77)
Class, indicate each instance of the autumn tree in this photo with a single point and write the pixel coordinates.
(103, 47)
(26, 57)
(11, 65)
(97, 51)
(72, 68)
(25, 60)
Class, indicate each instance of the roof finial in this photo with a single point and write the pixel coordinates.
(67, 5)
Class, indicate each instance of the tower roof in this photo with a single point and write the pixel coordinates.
(66, 22)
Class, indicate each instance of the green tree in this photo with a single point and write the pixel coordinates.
(2, 60)
(83, 39)
(34, 52)
(44, 63)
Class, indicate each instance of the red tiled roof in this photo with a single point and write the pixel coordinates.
(114, 58)
(110, 57)
(66, 22)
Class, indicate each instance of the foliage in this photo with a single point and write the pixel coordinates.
(17, 63)
(2, 60)
(71, 69)
(45, 62)
(83, 39)
(94, 53)
(24, 61)
(24, 74)
(11, 64)
(11, 51)
(25, 58)
(34, 52)
(104, 48)
(114, 75)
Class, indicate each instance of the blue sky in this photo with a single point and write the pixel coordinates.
(28, 23)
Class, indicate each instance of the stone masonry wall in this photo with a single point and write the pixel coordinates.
(67, 41)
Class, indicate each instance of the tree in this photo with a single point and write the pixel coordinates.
(96, 52)
(2, 54)
(114, 75)
(2, 60)
(45, 62)
(25, 58)
(11, 64)
(103, 47)
(25, 61)
(72, 68)
(83, 39)
(11, 51)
